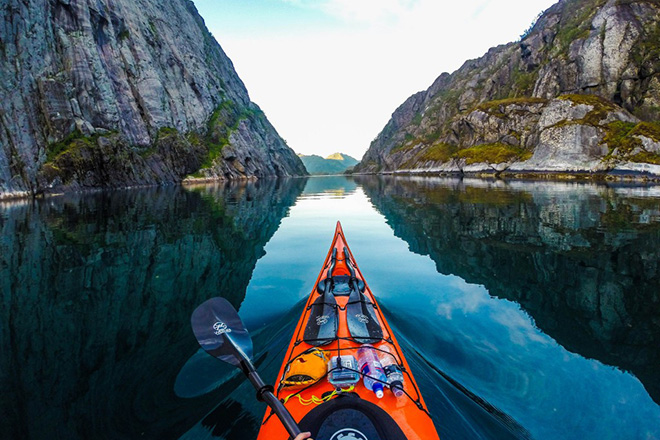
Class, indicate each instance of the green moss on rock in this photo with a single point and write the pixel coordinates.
(56, 148)
(163, 134)
(593, 100)
(576, 21)
(522, 83)
(623, 138)
(646, 157)
(224, 120)
(403, 148)
(496, 108)
(440, 152)
(485, 153)
(70, 157)
(601, 107)
(166, 131)
(123, 35)
(650, 130)
(492, 153)
(647, 52)
(213, 153)
(618, 137)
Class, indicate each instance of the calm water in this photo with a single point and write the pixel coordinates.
(526, 310)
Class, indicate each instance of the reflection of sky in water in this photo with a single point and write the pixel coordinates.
(488, 345)
(302, 241)
(493, 348)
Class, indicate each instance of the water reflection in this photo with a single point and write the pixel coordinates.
(325, 186)
(582, 260)
(96, 294)
(484, 367)
(521, 307)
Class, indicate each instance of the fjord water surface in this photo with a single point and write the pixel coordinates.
(526, 310)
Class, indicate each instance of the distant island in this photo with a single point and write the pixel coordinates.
(337, 163)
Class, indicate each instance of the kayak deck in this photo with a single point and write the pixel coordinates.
(339, 323)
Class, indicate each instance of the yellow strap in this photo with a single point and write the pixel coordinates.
(318, 400)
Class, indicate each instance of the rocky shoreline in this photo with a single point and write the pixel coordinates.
(489, 173)
(188, 182)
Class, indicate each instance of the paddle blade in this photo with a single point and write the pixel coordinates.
(361, 318)
(322, 324)
(220, 331)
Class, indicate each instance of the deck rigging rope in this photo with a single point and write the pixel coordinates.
(415, 397)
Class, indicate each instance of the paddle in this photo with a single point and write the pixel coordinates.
(221, 333)
(360, 314)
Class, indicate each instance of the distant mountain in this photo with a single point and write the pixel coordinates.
(579, 93)
(336, 163)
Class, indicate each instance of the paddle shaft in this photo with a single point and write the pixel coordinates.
(221, 333)
(265, 394)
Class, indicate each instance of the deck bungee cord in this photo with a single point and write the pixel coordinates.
(327, 396)
(338, 350)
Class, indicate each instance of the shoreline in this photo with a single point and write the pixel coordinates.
(188, 182)
(637, 177)
(630, 178)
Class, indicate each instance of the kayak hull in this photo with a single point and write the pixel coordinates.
(408, 413)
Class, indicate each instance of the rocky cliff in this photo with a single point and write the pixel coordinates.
(582, 260)
(580, 92)
(120, 93)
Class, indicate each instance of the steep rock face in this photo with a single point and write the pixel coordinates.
(78, 75)
(484, 117)
(583, 260)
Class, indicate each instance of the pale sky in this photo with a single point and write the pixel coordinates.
(329, 73)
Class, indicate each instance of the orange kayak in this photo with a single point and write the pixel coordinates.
(340, 327)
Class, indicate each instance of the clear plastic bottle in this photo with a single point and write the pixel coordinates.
(392, 371)
(371, 369)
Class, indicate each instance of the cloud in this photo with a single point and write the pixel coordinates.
(366, 11)
(520, 326)
(466, 298)
(430, 16)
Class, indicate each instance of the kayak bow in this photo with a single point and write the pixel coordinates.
(340, 316)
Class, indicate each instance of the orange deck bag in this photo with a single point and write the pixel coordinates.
(306, 369)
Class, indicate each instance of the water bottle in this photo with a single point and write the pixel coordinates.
(371, 369)
(392, 371)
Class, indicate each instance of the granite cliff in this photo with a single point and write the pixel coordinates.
(97, 93)
(579, 93)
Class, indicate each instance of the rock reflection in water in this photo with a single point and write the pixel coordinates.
(96, 292)
(582, 260)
